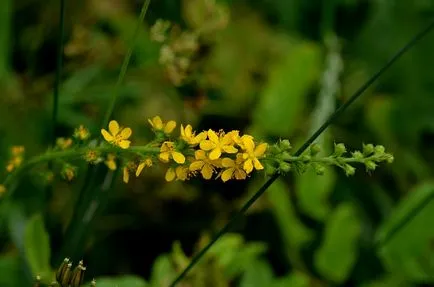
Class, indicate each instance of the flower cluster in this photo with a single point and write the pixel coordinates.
(225, 155)
(179, 52)
(186, 153)
(16, 158)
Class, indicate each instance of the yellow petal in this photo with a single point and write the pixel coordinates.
(207, 145)
(165, 147)
(108, 137)
(200, 137)
(213, 136)
(240, 174)
(188, 131)
(140, 168)
(229, 149)
(227, 162)
(150, 122)
(126, 133)
(181, 173)
(200, 154)
(126, 176)
(248, 143)
(164, 156)
(207, 171)
(170, 126)
(124, 144)
(257, 164)
(196, 165)
(215, 154)
(111, 164)
(182, 130)
(157, 123)
(248, 166)
(170, 175)
(260, 149)
(178, 157)
(227, 174)
(113, 127)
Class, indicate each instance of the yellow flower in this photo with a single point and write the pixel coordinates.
(202, 163)
(158, 125)
(189, 136)
(117, 136)
(218, 144)
(147, 162)
(126, 175)
(64, 143)
(233, 169)
(180, 173)
(14, 163)
(16, 159)
(168, 151)
(111, 161)
(69, 172)
(252, 154)
(91, 156)
(81, 133)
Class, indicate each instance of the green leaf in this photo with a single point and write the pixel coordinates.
(258, 273)
(121, 281)
(37, 247)
(11, 272)
(405, 240)
(162, 271)
(294, 233)
(295, 279)
(313, 191)
(234, 255)
(338, 251)
(284, 95)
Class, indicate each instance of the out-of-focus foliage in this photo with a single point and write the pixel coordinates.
(266, 67)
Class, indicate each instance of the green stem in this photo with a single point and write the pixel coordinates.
(74, 154)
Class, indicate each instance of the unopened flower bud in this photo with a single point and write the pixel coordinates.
(379, 150)
(358, 155)
(349, 170)
(314, 149)
(285, 156)
(269, 169)
(284, 167)
(389, 158)
(340, 149)
(285, 145)
(319, 169)
(370, 165)
(368, 149)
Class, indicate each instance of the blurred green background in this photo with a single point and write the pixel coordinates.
(272, 68)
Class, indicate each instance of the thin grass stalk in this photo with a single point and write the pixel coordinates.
(89, 194)
(307, 143)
